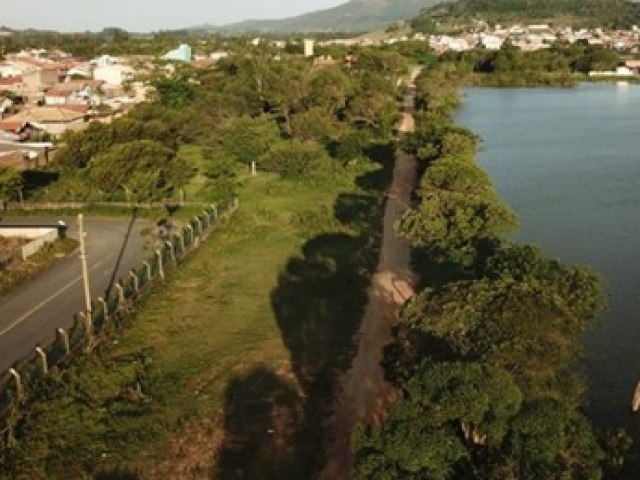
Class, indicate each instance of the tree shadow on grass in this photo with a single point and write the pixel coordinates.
(318, 303)
(262, 414)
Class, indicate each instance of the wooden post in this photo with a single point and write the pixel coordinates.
(43, 360)
(635, 403)
(65, 340)
(253, 168)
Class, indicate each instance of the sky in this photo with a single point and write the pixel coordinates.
(146, 15)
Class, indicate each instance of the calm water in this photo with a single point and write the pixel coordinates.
(568, 162)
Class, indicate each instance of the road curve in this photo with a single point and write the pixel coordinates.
(30, 314)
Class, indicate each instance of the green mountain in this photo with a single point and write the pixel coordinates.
(605, 13)
(353, 16)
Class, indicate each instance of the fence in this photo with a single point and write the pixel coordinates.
(107, 314)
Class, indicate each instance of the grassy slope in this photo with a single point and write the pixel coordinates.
(227, 371)
(352, 16)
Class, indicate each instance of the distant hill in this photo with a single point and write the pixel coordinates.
(605, 13)
(354, 16)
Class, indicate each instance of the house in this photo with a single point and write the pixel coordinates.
(54, 120)
(633, 65)
(39, 80)
(180, 54)
(84, 70)
(114, 74)
(74, 92)
(11, 84)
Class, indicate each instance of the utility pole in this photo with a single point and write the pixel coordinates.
(83, 260)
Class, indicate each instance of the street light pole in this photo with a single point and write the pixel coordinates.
(83, 260)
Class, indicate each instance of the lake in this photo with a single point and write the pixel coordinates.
(568, 162)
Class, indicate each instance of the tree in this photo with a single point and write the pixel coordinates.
(174, 93)
(144, 167)
(458, 207)
(296, 160)
(248, 139)
(449, 409)
(524, 313)
(313, 124)
(10, 182)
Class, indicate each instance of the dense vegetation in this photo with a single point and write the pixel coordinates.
(285, 115)
(559, 65)
(484, 358)
(583, 13)
(236, 357)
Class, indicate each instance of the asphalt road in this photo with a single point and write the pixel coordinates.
(30, 314)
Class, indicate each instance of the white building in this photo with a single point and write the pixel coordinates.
(114, 74)
(309, 47)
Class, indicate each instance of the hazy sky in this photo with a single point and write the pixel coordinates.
(145, 15)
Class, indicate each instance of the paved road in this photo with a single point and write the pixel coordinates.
(30, 315)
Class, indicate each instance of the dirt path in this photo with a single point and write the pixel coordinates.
(365, 394)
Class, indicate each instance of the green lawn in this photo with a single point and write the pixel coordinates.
(228, 369)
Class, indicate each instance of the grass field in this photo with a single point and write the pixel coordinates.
(228, 369)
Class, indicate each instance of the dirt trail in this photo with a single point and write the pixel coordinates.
(364, 393)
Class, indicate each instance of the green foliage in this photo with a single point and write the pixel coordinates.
(458, 207)
(220, 172)
(313, 124)
(10, 182)
(144, 167)
(589, 13)
(424, 434)
(174, 93)
(485, 354)
(247, 139)
(296, 159)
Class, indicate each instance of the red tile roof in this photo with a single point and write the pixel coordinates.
(10, 80)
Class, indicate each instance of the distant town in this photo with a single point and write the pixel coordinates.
(45, 93)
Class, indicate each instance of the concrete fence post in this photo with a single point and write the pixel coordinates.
(160, 266)
(215, 211)
(148, 267)
(236, 203)
(43, 360)
(121, 298)
(88, 328)
(635, 402)
(172, 252)
(65, 340)
(206, 221)
(105, 308)
(18, 379)
(199, 223)
(136, 282)
(191, 234)
(181, 237)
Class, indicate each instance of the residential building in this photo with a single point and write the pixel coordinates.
(55, 120)
(114, 74)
